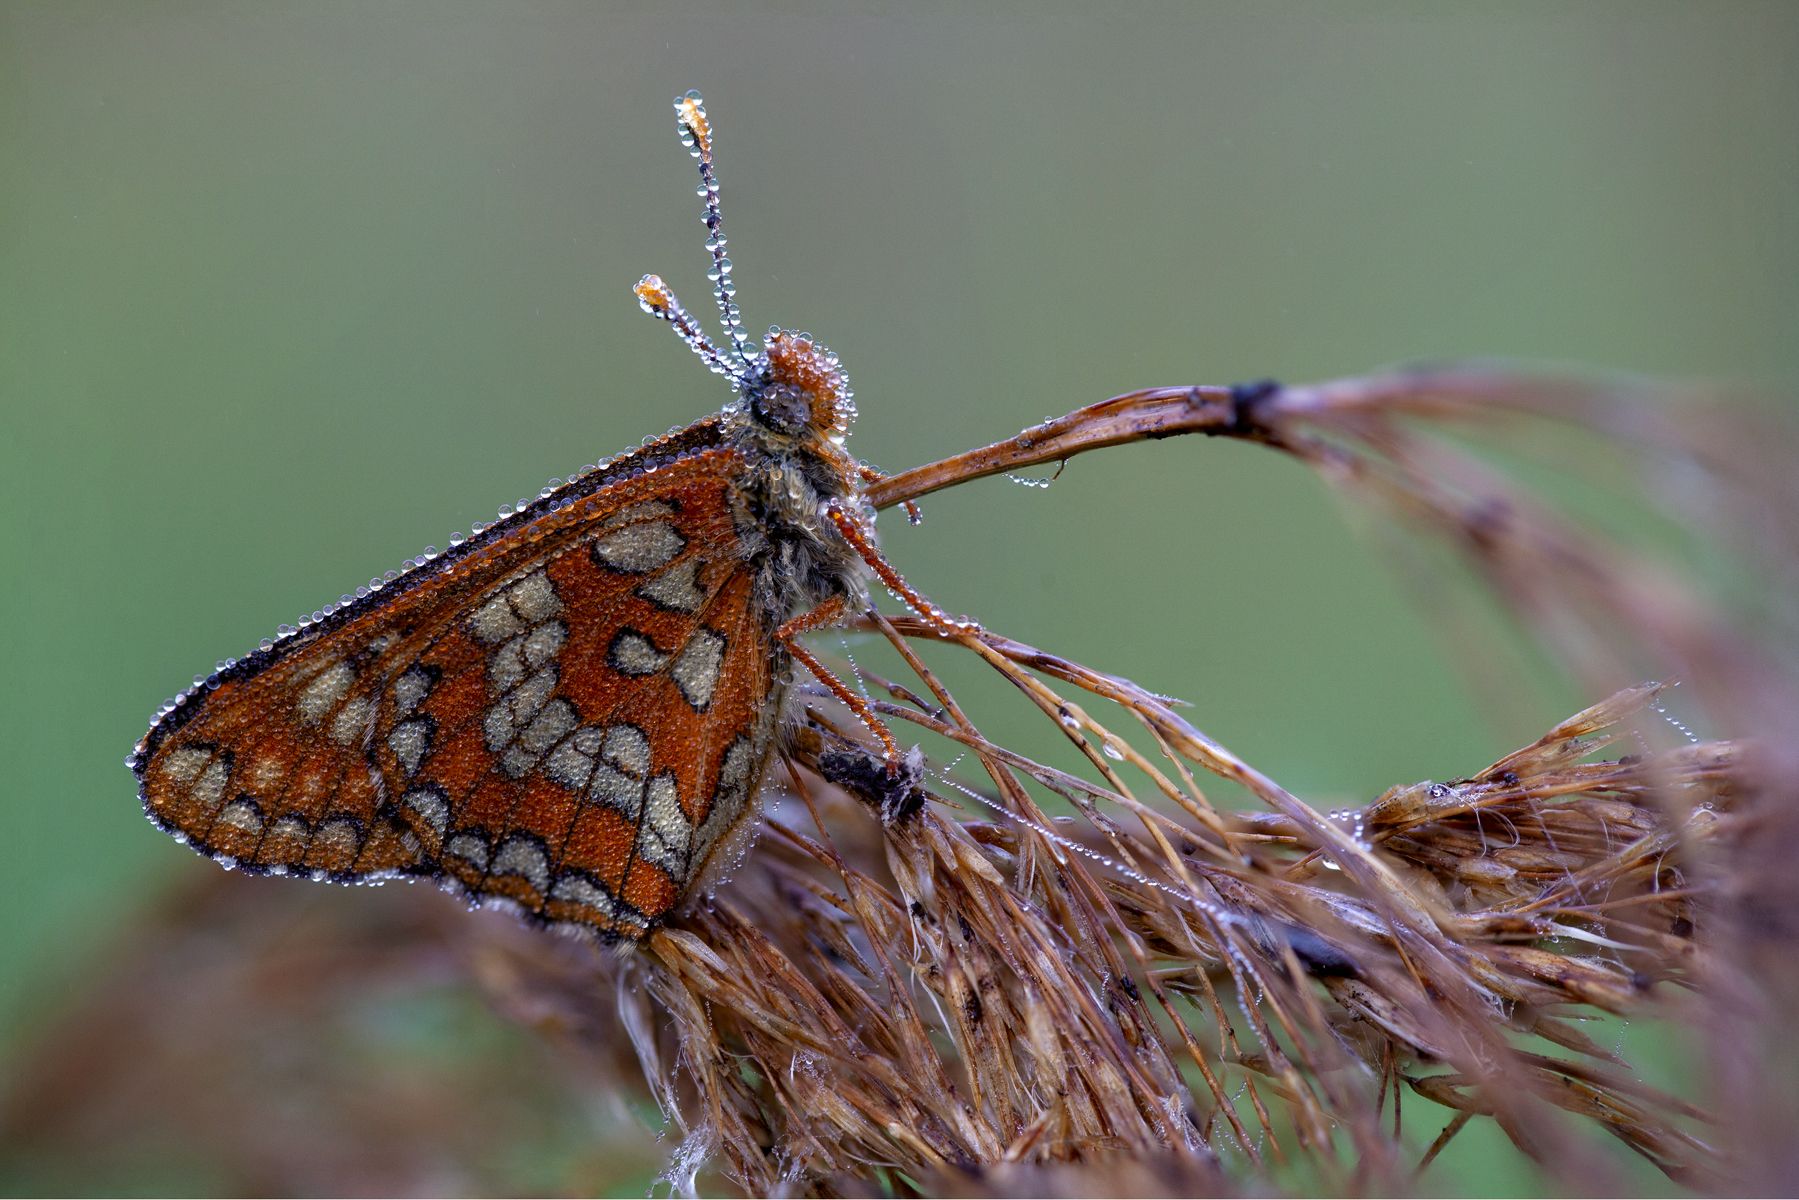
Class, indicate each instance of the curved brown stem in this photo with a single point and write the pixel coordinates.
(1132, 417)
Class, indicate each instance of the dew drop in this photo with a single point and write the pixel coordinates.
(1025, 481)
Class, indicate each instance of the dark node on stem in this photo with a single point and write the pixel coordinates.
(1245, 398)
(1486, 523)
(896, 796)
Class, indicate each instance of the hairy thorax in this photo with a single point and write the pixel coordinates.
(790, 426)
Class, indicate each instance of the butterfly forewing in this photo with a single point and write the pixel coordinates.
(568, 714)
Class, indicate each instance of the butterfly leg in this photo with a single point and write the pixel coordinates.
(864, 546)
(829, 613)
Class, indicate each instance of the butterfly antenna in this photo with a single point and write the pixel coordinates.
(656, 299)
(696, 135)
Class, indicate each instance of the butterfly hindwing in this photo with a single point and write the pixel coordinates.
(567, 713)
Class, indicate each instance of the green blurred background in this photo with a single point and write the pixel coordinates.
(288, 292)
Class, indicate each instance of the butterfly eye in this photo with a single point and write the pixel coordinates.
(781, 407)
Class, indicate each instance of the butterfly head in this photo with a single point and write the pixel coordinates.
(796, 389)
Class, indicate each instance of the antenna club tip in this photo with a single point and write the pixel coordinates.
(691, 110)
(652, 293)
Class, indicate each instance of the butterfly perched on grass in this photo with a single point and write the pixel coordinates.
(569, 713)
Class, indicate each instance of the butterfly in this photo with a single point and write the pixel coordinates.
(571, 712)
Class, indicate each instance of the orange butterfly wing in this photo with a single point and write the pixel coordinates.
(567, 713)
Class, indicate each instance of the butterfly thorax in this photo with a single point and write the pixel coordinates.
(790, 423)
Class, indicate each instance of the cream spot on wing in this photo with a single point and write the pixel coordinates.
(634, 654)
(532, 694)
(495, 621)
(666, 832)
(739, 761)
(677, 588)
(265, 773)
(582, 890)
(617, 790)
(506, 669)
(544, 642)
(522, 856)
(627, 748)
(639, 548)
(525, 653)
(338, 836)
(290, 828)
(696, 671)
(411, 741)
(534, 598)
(209, 788)
(324, 690)
(312, 786)
(431, 807)
(351, 722)
(569, 767)
(470, 848)
(550, 726)
(410, 689)
(242, 815)
(571, 763)
(513, 711)
(180, 766)
(618, 776)
(496, 727)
